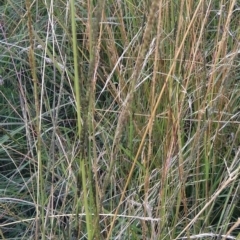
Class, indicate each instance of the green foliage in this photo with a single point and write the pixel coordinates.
(119, 119)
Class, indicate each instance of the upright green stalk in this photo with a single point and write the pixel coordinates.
(40, 190)
(94, 47)
(82, 171)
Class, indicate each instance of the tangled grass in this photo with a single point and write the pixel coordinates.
(119, 119)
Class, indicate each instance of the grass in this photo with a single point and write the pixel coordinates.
(119, 119)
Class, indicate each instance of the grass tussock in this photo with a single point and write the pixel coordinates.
(119, 119)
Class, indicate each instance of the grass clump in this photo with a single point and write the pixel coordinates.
(119, 119)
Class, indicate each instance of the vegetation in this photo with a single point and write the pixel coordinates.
(119, 119)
